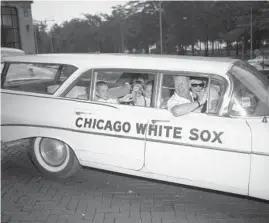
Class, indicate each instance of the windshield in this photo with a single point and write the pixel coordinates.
(250, 96)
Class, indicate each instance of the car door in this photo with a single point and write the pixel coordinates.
(110, 133)
(259, 182)
(250, 101)
(200, 149)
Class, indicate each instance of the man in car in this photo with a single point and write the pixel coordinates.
(182, 102)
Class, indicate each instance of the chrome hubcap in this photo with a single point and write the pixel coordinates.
(53, 152)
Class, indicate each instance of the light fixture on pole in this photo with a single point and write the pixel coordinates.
(161, 27)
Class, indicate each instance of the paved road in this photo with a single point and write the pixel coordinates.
(101, 197)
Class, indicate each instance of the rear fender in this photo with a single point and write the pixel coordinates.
(13, 133)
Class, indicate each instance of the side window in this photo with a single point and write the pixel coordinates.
(190, 90)
(38, 78)
(81, 87)
(216, 93)
(128, 88)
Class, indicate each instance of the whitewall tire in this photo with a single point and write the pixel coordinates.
(53, 157)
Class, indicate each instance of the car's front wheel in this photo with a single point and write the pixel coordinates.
(53, 157)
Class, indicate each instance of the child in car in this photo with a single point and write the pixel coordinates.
(102, 94)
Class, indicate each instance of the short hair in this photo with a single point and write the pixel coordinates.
(138, 82)
(199, 79)
(181, 77)
(202, 79)
(101, 83)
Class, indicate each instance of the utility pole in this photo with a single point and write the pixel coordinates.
(251, 33)
(51, 40)
(161, 27)
(51, 37)
(35, 36)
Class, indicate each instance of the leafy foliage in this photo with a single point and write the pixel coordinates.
(136, 26)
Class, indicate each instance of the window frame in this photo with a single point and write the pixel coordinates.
(57, 76)
(233, 89)
(157, 88)
(74, 82)
(131, 70)
(16, 41)
(210, 76)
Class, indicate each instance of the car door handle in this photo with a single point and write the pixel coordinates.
(154, 121)
(83, 113)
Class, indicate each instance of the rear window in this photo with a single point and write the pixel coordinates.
(38, 78)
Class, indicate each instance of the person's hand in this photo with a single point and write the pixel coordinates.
(202, 97)
(126, 98)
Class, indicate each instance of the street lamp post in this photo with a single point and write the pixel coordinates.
(51, 37)
(35, 24)
(161, 27)
(251, 33)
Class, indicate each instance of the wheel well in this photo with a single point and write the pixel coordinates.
(32, 138)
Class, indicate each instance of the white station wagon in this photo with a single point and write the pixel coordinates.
(224, 148)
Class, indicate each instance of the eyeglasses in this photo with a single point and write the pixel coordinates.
(196, 85)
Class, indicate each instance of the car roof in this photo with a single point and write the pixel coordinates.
(8, 49)
(215, 65)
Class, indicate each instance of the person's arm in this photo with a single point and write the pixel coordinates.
(184, 109)
(178, 109)
(126, 98)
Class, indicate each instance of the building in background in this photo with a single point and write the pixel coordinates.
(17, 25)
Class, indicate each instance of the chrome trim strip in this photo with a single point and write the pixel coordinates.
(137, 138)
(60, 98)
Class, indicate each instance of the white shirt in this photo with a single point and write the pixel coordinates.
(176, 100)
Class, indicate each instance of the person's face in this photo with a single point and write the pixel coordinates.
(137, 89)
(102, 91)
(182, 85)
(197, 86)
(148, 91)
(140, 79)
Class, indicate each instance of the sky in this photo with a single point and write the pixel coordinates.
(59, 11)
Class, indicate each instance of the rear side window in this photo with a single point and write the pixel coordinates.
(37, 78)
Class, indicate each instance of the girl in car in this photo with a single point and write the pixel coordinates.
(136, 96)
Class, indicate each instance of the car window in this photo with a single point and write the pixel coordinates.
(120, 87)
(197, 87)
(250, 96)
(80, 89)
(217, 90)
(38, 78)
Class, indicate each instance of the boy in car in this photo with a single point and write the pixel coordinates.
(102, 94)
